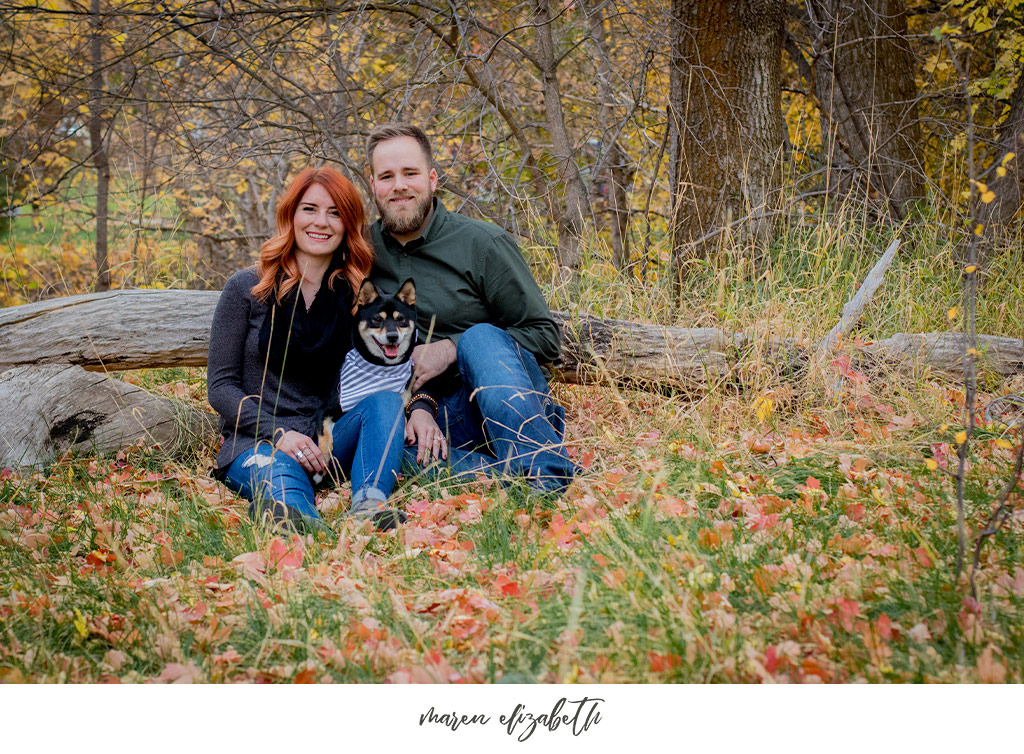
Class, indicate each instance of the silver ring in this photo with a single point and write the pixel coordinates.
(298, 454)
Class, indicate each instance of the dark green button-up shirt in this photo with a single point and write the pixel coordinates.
(467, 272)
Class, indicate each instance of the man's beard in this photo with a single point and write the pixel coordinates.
(400, 225)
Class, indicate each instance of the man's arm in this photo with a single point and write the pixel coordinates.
(431, 360)
(515, 301)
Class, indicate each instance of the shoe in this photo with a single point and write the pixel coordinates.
(384, 519)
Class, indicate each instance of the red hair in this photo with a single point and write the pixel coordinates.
(278, 271)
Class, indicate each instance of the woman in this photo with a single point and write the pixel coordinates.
(279, 336)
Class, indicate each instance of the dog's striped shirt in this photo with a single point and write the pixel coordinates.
(359, 378)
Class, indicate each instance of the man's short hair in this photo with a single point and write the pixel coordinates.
(388, 131)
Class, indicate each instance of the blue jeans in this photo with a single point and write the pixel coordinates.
(504, 408)
(367, 448)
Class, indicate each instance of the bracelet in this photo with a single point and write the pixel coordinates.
(422, 397)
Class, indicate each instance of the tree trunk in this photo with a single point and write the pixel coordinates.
(46, 411)
(97, 140)
(864, 80)
(574, 205)
(997, 216)
(614, 167)
(725, 111)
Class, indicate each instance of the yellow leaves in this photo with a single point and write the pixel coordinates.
(971, 268)
(951, 314)
(1001, 169)
(763, 408)
(79, 623)
(241, 187)
(987, 196)
(931, 464)
(1004, 443)
(979, 230)
(960, 437)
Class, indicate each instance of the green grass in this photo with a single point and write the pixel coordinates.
(661, 564)
(693, 549)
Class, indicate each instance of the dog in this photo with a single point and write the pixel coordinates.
(383, 336)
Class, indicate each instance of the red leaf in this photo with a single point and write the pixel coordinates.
(884, 626)
(286, 555)
(307, 675)
(771, 659)
(663, 663)
(507, 586)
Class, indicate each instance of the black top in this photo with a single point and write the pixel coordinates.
(255, 393)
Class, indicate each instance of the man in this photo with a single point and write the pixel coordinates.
(490, 318)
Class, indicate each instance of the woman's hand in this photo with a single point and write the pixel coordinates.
(304, 450)
(422, 431)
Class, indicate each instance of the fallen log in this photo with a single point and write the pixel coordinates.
(48, 410)
(50, 404)
(128, 329)
(136, 329)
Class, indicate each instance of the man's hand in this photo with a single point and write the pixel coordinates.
(422, 431)
(304, 450)
(430, 360)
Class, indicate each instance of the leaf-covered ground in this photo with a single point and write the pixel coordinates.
(716, 539)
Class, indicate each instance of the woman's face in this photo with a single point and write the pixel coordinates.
(318, 228)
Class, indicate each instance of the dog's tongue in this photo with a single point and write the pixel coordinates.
(390, 351)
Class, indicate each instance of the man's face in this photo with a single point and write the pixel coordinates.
(403, 186)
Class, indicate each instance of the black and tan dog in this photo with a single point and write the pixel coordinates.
(383, 335)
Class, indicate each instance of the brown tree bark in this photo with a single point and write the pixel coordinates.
(997, 216)
(615, 169)
(725, 112)
(574, 203)
(98, 142)
(863, 72)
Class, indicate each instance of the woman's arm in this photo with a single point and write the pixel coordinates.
(226, 361)
(421, 428)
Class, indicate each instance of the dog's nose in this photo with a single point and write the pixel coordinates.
(392, 337)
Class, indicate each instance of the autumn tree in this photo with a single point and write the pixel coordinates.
(725, 112)
(856, 59)
(1006, 179)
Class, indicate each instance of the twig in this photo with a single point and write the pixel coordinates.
(854, 308)
(970, 333)
(999, 516)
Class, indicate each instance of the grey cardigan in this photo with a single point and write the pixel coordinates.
(252, 401)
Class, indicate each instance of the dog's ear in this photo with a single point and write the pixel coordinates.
(368, 293)
(407, 293)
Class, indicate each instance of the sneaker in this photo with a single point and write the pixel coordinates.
(384, 519)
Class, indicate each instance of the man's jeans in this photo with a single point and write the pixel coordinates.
(367, 448)
(503, 407)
